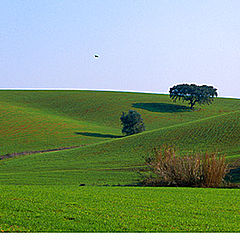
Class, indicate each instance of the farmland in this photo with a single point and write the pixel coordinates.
(40, 192)
(118, 209)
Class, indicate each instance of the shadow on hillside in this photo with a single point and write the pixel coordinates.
(161, 107)
(100, 135)
(233, 175)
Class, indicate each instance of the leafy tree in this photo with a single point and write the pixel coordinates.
(193, 94)
(132, 122)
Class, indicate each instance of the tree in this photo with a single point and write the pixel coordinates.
(132, 122)
(193, 94)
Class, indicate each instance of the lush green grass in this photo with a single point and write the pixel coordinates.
(41, 192)
(27, 129)
(122, 156)
(118, 209)
(104, 108)
(36, 120)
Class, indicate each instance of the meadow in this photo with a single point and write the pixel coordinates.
(41, 193)
(118, 209)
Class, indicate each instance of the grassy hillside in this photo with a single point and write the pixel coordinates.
(37, 120)
(26, 129)
(41, 192)
(115, 161)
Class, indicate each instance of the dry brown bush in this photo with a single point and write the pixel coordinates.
(193, 169)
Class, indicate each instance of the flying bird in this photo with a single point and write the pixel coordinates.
(96, 56)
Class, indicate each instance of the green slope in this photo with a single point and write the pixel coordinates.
(114, 161)
(27, 129)
(37, 120)
(104, 108)
(54, 202)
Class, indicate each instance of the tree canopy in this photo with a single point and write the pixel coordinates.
(193, 94)
(132, 122)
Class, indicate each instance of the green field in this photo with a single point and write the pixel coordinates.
(40, 192)
(118, 209)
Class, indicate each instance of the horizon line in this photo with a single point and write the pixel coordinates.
(107, 90)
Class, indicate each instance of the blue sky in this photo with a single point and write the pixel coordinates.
(143, 45)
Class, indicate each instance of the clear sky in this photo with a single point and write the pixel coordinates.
(143, 45)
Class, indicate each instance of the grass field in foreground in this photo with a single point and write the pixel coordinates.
(118, 209)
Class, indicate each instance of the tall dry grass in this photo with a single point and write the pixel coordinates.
(196, 169)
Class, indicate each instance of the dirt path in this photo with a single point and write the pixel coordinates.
(40, 151)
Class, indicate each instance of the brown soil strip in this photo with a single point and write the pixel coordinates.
(11, 155)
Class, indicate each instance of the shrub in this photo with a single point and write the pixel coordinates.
(132, 123)
(167, 168)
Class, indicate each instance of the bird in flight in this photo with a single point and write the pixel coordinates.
(96, 56)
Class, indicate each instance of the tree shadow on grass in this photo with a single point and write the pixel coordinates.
(100, 135)
(161, 107)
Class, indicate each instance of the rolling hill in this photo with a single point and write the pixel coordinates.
(89, 121)
(102, 151)
(37, 120)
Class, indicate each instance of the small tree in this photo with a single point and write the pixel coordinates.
(193, 94)
(132, 122)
